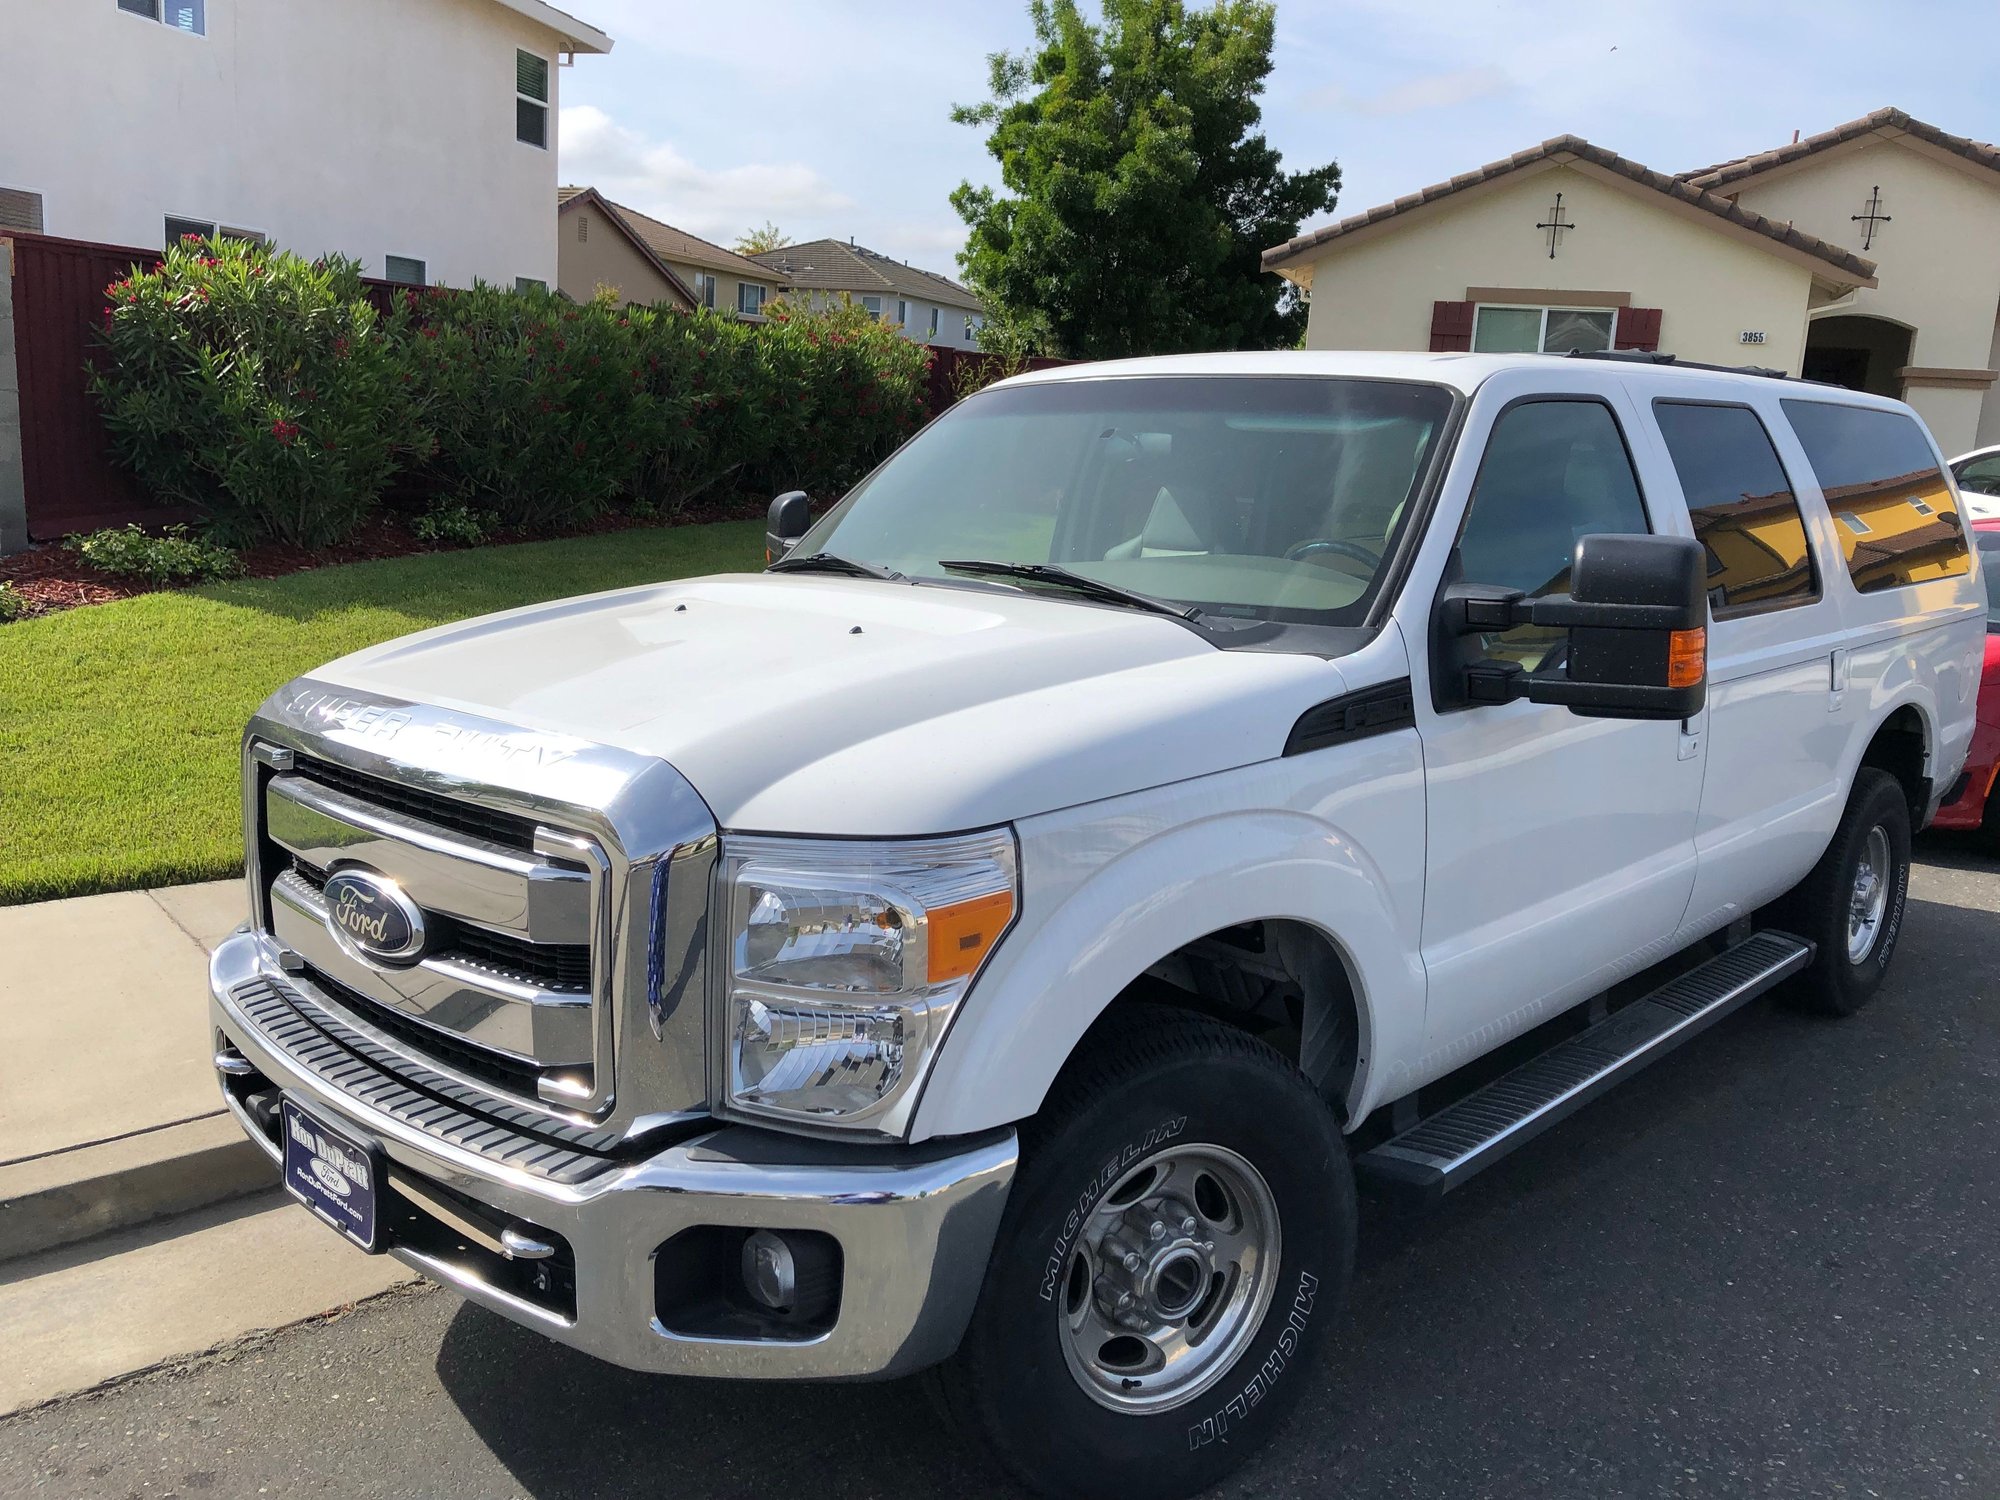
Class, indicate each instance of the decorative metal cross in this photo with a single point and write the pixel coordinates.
(1871, 218)
(1555, 224)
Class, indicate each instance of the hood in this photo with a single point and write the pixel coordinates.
(831, 705)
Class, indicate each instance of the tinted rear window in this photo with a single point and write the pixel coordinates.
(1740, 499)
(1895, 514)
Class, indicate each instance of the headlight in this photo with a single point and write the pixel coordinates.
(846, 961)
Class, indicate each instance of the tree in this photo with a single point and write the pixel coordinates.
(1140, 195)
(767, 237)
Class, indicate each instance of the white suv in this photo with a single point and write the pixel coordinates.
(994, 938)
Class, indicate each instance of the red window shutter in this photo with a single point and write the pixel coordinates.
(1451, 327)
(1639, 328)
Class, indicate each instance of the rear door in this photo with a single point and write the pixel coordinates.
(1774, 728)
(1560, 849)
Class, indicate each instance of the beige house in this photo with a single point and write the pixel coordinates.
(927, 307)
(1865, 256)
(604, 244)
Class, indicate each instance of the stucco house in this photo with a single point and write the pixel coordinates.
(416, 135)
(604, 244)
(1862, 256)
(927, 307)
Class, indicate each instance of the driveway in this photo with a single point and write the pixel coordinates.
(1768, 1266)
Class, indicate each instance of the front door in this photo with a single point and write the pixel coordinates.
(1560, 848)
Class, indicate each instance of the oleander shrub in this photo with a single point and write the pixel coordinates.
(537, 406)
(848, 388)
(257, 387)
(708, 422)
(172, 556)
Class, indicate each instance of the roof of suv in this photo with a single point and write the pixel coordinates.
(1463, 372)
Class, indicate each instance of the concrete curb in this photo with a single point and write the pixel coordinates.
(91, 1190)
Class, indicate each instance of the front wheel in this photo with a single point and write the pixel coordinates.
(1851, 905)
(1179, 1235)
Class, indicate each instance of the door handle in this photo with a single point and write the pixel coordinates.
(1837, 681)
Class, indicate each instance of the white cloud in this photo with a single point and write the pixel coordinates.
(655, 178)
(1415, 95)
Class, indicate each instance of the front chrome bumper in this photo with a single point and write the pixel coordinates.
(915, 1225)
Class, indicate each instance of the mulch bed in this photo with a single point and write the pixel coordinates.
(52, 578)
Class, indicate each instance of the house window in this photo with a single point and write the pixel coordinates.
(190, 16)
(247, 236)
(1542, 330)
(934, 322)
(531, 99)
(20, 209)
(530, 284)
(403, 270)
(704, 289)
(872, 306)
(902, 312)
(179, 229)
(749, 297)
(968, 327)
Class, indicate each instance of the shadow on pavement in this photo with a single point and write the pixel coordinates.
(1767, 1265)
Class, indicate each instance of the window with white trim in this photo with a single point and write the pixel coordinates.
(179, 229)
(530, 284)
(531, 99)
(934, 322)
(1503, 329)
(704, 289)
(872, 306)
(902, 312)
(749, 297)
(404, 270)
(190, 16)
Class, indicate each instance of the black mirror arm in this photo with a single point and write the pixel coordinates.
(1474, 610)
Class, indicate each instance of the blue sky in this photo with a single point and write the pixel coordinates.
(830, 117)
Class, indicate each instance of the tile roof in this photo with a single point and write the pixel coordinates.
(670, 243)
(1725, 172)
(1570, 147)
(837, 266)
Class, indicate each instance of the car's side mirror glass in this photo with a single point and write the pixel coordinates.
(785, 522)
(1636, 617)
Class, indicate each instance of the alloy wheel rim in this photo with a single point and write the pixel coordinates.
(1169, 1278)
(1869, 899)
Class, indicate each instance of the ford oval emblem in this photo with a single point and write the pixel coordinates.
(369, 915)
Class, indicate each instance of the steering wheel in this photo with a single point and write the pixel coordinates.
(1351, 550)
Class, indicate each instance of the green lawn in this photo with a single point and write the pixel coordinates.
(119, 722)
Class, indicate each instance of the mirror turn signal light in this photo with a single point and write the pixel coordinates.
(963, 933)
(1687, 658)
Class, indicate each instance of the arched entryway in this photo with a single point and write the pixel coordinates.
(1859, 352)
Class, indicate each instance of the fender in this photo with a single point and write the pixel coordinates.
(1112, 888)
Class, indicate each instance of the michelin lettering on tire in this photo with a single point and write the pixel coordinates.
(1099, 1184)
(1216, 1428)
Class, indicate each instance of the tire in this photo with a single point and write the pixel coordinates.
(1155, 1102)
(1853, 956)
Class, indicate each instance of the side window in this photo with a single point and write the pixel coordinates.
(1553, 473)
(1898, 521)
(1745, 514)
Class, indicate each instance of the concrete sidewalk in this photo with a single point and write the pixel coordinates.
(109, 1110)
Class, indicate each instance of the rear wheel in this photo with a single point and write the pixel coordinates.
(1851, 905)
(1179, 1236)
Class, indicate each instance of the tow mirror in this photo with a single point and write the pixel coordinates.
(1637, 618)
(785, 523)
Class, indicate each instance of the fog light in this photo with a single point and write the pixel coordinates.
(770, 1273)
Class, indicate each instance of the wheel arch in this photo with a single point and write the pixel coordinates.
(1322, 914)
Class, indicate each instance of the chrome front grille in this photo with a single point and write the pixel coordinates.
(562, 886)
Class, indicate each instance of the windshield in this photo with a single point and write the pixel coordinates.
(1989, 564)
(1261, 498)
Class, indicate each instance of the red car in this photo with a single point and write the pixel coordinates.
(1977, 804)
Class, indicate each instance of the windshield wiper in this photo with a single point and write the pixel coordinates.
(1105, 593)
(827, 562)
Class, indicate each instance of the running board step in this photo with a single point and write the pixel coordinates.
(1438, 1154)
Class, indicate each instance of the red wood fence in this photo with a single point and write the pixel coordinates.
(71, 480)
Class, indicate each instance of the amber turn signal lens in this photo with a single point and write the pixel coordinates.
(963, 933)
(1687, 658)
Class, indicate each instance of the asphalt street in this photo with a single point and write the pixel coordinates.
(1768, 1266)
